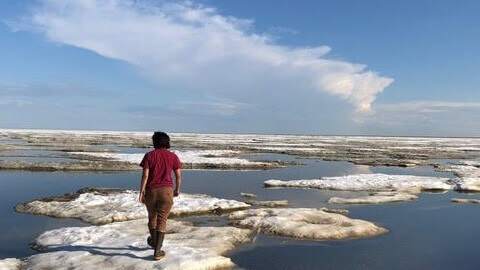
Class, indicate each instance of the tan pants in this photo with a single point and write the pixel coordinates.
(159, 202)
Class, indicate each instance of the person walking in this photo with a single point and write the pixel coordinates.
(156, 189)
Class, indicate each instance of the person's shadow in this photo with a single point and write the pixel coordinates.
(98, 250)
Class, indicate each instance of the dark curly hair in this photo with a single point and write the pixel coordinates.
(161, 140)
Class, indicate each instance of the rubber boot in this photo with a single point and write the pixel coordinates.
(159, 253)
(151, 238)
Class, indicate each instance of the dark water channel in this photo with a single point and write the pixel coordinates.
(430, 233)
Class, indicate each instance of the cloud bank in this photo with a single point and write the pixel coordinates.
(55, 90)
(191, 46)
(427, 117)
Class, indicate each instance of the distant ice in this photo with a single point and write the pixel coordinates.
(471, 162)
(363, 150)
(465, 170)
(123, 246)
(468, 173)
(369, 182)
(458, 200)
(308, 223)
(105, 207)
(219, 157)
(248, 195)
(375, 198)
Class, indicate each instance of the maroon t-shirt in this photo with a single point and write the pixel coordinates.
(160, 163)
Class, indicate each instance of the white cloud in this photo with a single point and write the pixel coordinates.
(220, 107)
(192, 46)
(429, 106)
(55, 90)
(212, 107)
(15, 102)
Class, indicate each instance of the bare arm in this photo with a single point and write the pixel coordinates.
(143, 184)
(178, 181)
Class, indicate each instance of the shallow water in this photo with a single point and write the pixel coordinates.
(34, 155)
(430, 233)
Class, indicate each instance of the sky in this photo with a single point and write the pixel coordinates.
(343, 67)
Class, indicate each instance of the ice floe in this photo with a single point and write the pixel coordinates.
(248, 195)
(190, 158)
(275, 203)
(375, 198)
(83, 166)
(394, 151)
(252, 199)
(123, 246)
(369, 182)
(308, 223)
(468, 184)
(468, 173)
(101, 206)
(458, 200)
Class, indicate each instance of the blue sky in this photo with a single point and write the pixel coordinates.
(323, 67)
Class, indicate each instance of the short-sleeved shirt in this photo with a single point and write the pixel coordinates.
(160, 163)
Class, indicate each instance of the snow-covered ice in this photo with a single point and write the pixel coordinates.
(10, 264)
(369, 182)
(101, 206)
(375, 198)
(123, 246)
(193, 157)
(186, 156)
(308, 223)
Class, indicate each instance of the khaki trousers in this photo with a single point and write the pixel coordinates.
(159, 202)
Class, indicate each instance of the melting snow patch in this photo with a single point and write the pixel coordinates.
(369, 182)
(308, 223)
(375, 198)
(123, 246)
(101, 206)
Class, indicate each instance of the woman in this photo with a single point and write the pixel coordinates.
(156, 189)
